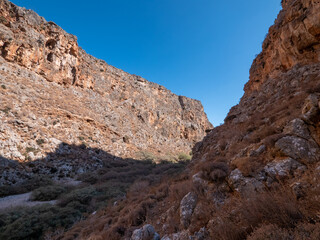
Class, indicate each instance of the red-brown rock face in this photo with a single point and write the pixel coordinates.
(51, 84)
(293, 39)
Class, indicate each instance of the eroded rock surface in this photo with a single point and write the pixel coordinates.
(52, 92)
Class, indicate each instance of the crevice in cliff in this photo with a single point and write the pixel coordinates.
(183, 106)
(74, 75)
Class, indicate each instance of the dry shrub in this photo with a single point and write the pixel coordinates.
(138, 187)
(270, 232)
(201, 216)
(248, 165)
(279, 207)
(262, 133)
(307, 231)
(243, 216)
(214, 171)
(224, 229)
(179, 189)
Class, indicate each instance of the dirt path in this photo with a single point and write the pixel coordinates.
(20, 200)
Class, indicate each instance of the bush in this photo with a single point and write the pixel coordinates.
(83, 196)
(215, 171)
(47, 193)
(184, 157)
(32, 223)
(27, 186)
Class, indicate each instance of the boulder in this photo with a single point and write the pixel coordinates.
(298, 128)
(244, 185)
(147, 232)
(187, 205)
(305, 151)
(283, 168)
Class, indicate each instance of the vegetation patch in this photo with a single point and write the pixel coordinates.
(47, 193)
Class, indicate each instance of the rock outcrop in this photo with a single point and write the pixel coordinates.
(52, 92)
(293, 39)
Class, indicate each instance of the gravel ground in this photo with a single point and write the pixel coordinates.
(20, 200)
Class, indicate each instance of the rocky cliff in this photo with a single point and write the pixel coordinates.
(293, 39)
(53, 92)
(257, 175)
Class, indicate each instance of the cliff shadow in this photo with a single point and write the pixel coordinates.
(88, 166)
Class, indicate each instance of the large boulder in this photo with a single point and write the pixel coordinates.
(187, 205)
(305, 151)
(298, 128)
(283, 168)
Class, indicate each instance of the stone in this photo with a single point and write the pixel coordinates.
(147, 232)
(298, 128)
(311, 110)
(244, 185)
(299, 149)
(258, 151)
(199, 183)
(283, 168)
(299, 189)
(187, 205)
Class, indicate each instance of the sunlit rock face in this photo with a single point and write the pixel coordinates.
(58, 93)
(293, 39)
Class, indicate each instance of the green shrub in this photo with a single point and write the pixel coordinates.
(32, 223)
(47, 193)
(82, 195)
(184, 157)
(146, 156)
(40, 141)
(26, 186)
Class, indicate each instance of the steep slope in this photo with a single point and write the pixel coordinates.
(53, 92)
(257, 175)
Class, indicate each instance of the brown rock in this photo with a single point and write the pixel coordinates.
(65, 94)
(293, 39)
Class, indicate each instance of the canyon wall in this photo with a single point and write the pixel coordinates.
(53, 92)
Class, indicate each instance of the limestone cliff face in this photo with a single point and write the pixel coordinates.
(293, 39)
(61, 94)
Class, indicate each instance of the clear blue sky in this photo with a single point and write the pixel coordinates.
(202, 49)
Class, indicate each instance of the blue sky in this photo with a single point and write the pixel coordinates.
(202, 49)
